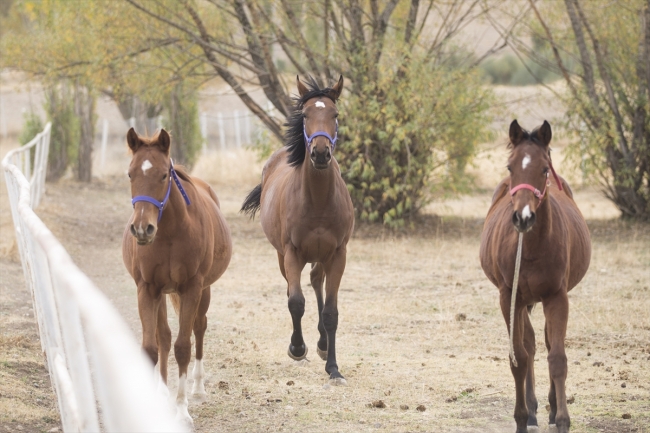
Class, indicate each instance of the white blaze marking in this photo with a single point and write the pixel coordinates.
(525, 161)
(525, 214)
(146, 165)
(320, 104)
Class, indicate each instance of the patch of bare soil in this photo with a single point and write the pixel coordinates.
(420, 327)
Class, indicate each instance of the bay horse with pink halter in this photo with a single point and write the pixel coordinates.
(555, 251)
(307, 215)
(176, 243)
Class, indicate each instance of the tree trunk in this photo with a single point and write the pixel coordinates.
(85, 110)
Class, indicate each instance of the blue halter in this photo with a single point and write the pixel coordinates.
(161, 204)
(310, 138)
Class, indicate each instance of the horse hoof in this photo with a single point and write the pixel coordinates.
(552, 428)
(321, 353)
(297, 358)
(533, 429)
(338, 381)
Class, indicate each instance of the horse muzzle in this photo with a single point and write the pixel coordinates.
(144, 236)
(524, 220)
(321, 160)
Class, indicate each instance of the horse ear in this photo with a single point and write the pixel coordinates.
(337, 89)
(544, 133)
(302, 89)
(164, 141)
(516, 133)
(133, 140)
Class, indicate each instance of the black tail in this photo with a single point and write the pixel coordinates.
(252, 203)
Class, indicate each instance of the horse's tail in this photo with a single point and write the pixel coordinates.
(252, 203)
(176, 302)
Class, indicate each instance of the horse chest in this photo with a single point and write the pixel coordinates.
(315, 245)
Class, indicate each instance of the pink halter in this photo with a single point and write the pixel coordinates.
(539, 194)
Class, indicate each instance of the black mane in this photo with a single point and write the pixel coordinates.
(294, 138)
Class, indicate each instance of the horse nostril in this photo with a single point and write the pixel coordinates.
(150, 229)
(329, 153)
(516, 218)
(132, 228)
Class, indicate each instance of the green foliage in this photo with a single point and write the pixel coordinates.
(65, 134)
(408, 137)
(32, 126)
(613, 126)
(509, 70)
(182, 120)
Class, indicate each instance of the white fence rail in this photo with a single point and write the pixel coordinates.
(92, 356)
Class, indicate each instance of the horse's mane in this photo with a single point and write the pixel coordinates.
(294, 138)
(181, 171)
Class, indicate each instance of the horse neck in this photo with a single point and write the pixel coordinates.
(175, 212)
(317, 185)
(541, 231)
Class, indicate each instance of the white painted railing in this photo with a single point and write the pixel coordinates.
(93, 358)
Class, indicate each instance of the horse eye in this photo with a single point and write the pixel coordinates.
(129, 174)
(508, 167)
(164, 176)
(546, 170)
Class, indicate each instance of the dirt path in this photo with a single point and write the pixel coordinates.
(419, 325)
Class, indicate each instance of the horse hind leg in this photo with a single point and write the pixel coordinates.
(531, 399)
(200, 326)
(317, 276)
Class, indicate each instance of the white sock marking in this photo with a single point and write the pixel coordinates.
(146, 165)
(198, 374)
(525, 214)
(181, 401)
(320, 104)
(525, 161)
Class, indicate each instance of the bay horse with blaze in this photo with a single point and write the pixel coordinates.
(307, 215)
(555, 254)
(176, 243)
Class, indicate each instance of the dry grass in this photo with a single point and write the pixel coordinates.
(419, 322)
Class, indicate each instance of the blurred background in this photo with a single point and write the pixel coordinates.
(431, 87)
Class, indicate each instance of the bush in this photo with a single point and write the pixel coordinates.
(509, 70)
(32, 126)
(64, 137)
(182, 119)
(408, 135)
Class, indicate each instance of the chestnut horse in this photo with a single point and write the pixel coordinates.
(177, 243)
(307, 215)
(556, 254)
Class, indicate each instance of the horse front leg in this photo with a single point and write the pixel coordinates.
(317, 276)
(148, 306)
(200, 326)
(293, 266)
(519, 372)
(531, 398)
(190, 298)
(334, 272)
(164, 339)
(556, 311)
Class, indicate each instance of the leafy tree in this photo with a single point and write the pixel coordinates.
(608, 93)
(414, 110)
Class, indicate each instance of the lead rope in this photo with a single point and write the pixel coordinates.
(514, 299)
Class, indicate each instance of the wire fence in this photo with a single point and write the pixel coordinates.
(92, 357)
